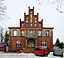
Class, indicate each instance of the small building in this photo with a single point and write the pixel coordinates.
(1, 47)
(30, 34)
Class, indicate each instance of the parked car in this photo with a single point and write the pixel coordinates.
(58, 52)
(41, 51)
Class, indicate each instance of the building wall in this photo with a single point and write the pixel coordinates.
(46, 33)
(48, 42)
(14, 40)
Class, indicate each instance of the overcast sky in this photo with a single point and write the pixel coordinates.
(51, 17)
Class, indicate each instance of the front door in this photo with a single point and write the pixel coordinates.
(31, 42)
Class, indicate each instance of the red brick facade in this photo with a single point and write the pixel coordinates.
(30, 34)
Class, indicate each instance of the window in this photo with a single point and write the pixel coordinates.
(39, 25)
(22, 25)
(35, 18)
(15, 33)
(30, 33)
(35, 25)
(47, 33)
(35, 21)
(30, 15)
(30, 25)
(26, 24)
(31, 20)
(31, 12)
(26, 18)
(39, 33)
(18, 43)
(26, 21)
(44, 44)
(23, 33)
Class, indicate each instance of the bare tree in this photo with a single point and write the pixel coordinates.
(59, 4)
(2, 12)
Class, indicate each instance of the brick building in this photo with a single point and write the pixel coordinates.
(30, 34)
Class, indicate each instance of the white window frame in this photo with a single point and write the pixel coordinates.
(15, 32)
(39, 33)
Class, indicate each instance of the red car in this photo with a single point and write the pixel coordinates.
(41, 51)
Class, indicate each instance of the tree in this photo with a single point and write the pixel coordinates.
(59, 4)
(6, 38)
(3, 12)
(61, 45)
(57, 42)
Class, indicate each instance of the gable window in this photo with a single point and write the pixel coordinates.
(26, 21)
(31, 20)
(18, 43)
(30, 15)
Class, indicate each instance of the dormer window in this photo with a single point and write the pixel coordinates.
(30, 15)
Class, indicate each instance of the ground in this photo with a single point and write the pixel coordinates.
(25, 55)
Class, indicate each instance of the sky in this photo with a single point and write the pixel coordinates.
(47, 11)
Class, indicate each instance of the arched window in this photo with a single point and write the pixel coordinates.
(44, 44)
(18, 43)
